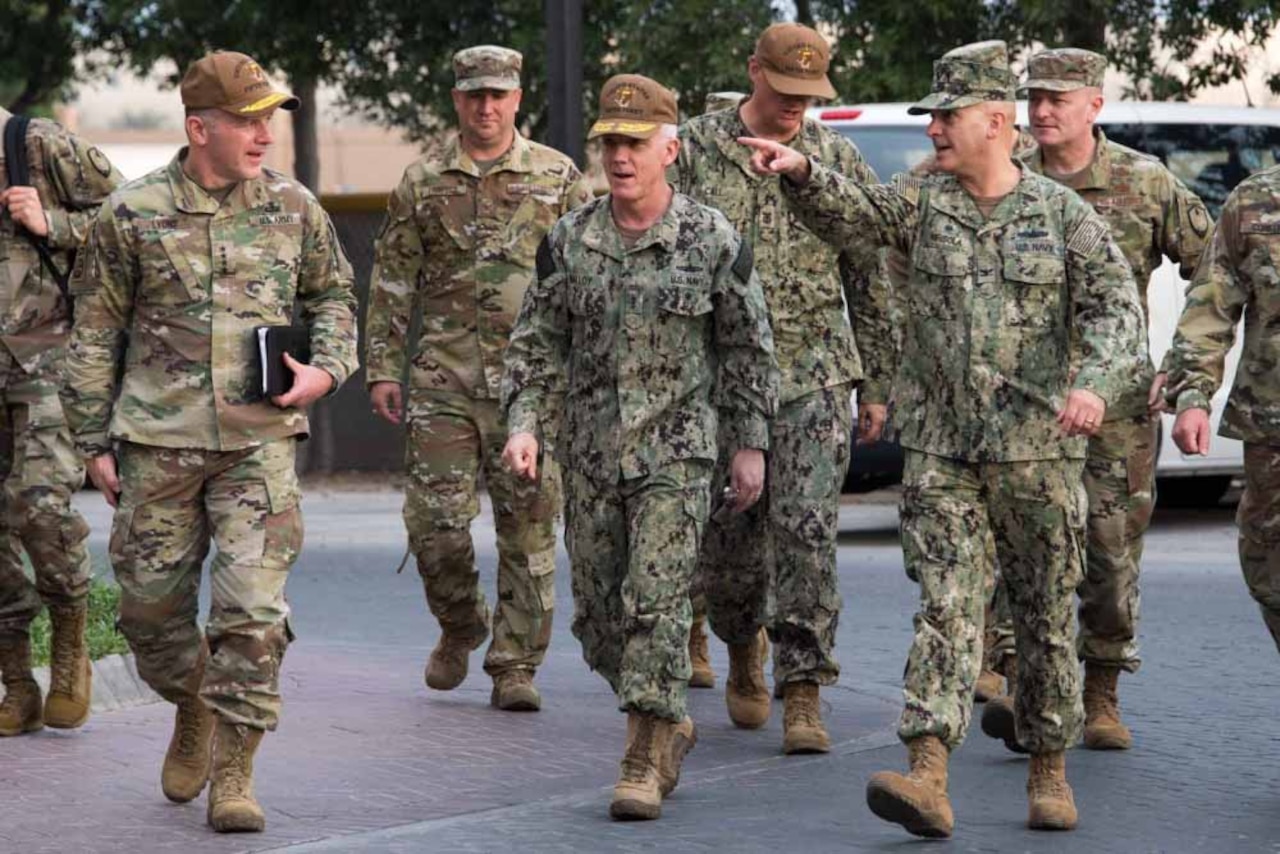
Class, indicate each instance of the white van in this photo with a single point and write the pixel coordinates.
(1210, 148)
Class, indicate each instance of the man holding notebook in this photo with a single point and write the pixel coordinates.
(182, 267)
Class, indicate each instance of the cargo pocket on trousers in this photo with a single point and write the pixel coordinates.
(282, 526)
(542, 569)
(121, 536)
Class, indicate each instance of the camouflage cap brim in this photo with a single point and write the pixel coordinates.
(497, 82)
(635, 130)
(945, 101)
(259, 107)
(800, 87)
(1050, 84)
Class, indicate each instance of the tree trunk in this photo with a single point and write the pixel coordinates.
(804, 13)
(306, 144)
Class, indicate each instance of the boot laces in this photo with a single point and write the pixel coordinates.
(803, 711)
(635, 763)
(189, 728)
(233, 778)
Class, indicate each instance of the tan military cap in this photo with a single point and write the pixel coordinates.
(1064, 70)
(634, 106)
(969, 75)
(233, 83)
(795, 59)
(487, 66)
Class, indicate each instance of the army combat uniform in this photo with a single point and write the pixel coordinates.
(1152, 215)
(998, 310)
(1240, 277)
(41, 468)
(459, 245)
(775, 564)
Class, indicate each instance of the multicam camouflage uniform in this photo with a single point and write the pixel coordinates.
(41, 468)
(199, 453)
(461, 244)
(1238, 278)
(662, 350)
(775, 565)
(998, 309)
(1152, 215)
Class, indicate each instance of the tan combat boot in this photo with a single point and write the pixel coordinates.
(21, 710)
(70, 674)
(514, 691)
(189, 757)
(1051, 804)
(998, 720)
(674, 741)
(917, 800)
(745, 693)
(638, 793)
(802, 729)
(232, 807)
(1103, 729)
(447, 666)
(699, 656)
(990, 682)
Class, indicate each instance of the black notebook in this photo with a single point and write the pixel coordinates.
(272, 343)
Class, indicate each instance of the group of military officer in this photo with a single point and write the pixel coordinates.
(671, 365)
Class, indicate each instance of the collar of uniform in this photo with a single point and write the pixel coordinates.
(1098, 174)
(954, 200)
(602, 235)
(190, 197)
(514, 159)
(731, 127)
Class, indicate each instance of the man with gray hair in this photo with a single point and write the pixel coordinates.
(458, 246)
(1022, 321)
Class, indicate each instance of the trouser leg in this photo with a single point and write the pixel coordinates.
(944, 530)
(252, 503)
(1119, 479)
(443, 451)
(1037, 512)
(1258, 518)
(524, 515)
(810, 455)
(159, 539)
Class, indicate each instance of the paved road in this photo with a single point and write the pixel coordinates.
(367, 760)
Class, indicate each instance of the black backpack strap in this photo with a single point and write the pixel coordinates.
(17, 167)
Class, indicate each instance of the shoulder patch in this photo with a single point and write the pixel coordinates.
(745, 262)
(99, 161)
(544, 263)
(1087, 236)
(1198, 217)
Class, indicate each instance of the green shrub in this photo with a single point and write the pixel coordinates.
(100, 628)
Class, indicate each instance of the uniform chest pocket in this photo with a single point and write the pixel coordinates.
(530, 220)
(683, 300)
(937, 286)
(168, 274)
(1034, 286)
(444, 215)
(586, 298)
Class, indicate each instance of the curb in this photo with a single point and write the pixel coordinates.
(116, 684)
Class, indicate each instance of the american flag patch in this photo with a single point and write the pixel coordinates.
(1087, 237)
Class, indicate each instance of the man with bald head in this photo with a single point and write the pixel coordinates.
(1022, 321)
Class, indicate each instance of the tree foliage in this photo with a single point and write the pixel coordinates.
(39, 45)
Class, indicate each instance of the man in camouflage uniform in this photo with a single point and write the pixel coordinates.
(1238, 279)
(1022, 320)
(648, 318)
(462, 229)
(187, 261)
(40, 466)
(1151, 215)
(775, 566)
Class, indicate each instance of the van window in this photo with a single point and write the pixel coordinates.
(1209, 159)
(889, 150)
